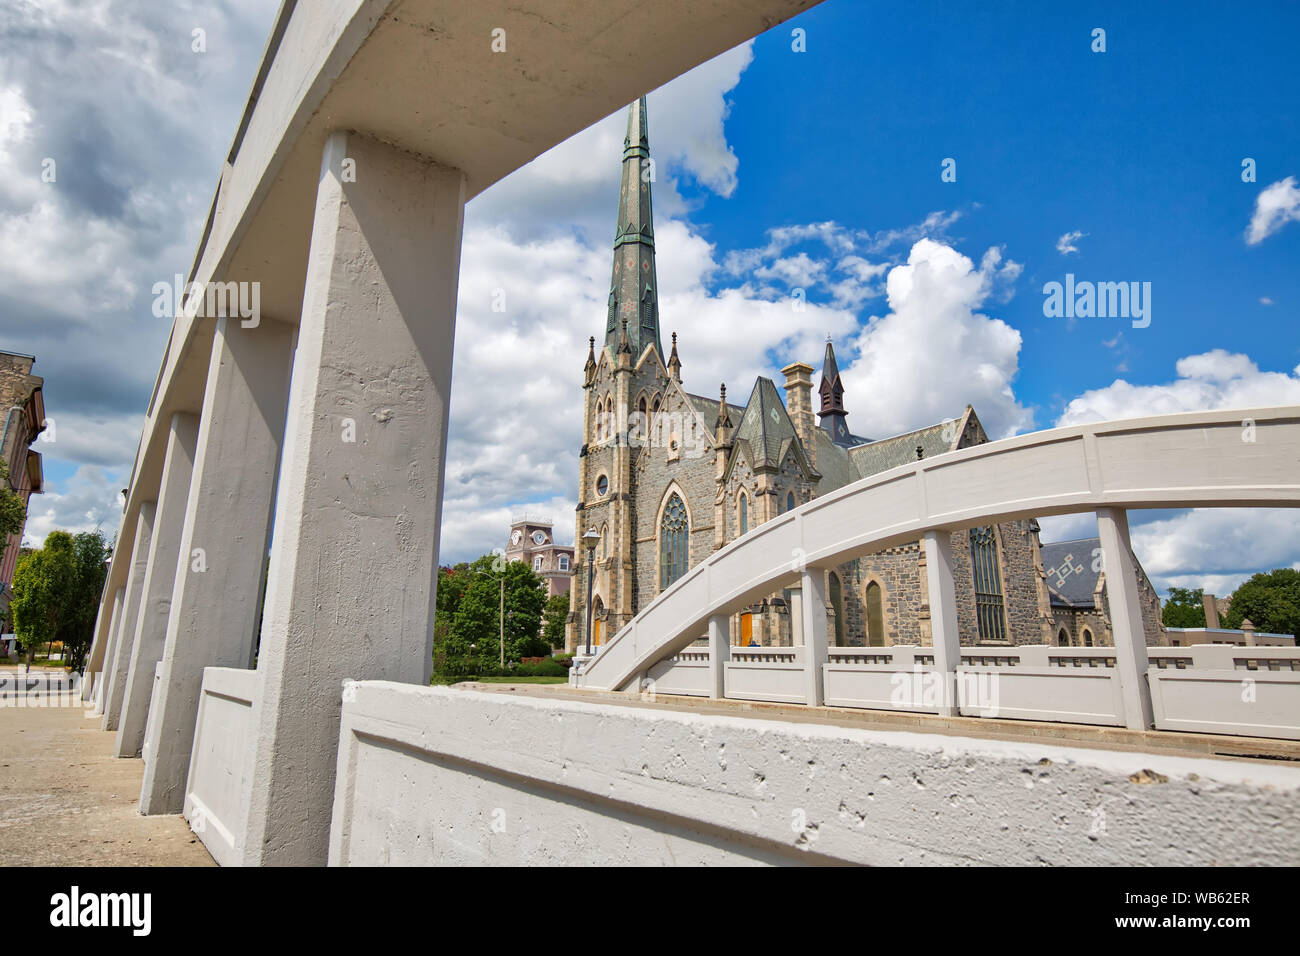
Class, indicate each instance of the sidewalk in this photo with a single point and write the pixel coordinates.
(66, 801)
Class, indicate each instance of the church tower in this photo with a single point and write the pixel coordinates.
(624, 383)
(832, 412)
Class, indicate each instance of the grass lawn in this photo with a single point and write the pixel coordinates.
(523, 680)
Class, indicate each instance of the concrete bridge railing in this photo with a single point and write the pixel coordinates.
(1248, 458)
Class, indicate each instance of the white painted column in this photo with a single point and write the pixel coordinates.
(943, 617)
(115, 688)
(96, 666)
(160, 577)
(719, 654)
(216, 598)
(815, 649)
(1125, 617)
(354, 557)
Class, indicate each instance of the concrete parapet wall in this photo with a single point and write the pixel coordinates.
(217, 792)
(448, 776)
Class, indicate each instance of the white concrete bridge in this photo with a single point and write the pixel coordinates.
(370, 124)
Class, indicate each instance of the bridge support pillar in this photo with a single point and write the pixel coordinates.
(354, 555)
(812, 610)
(1125, 617)
(97, 665)
(117, 661)
(943, 617)
(159, 580)
(719, 654)
(215, 603)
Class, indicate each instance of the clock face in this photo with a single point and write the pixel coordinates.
(516, 537)
(539, 537)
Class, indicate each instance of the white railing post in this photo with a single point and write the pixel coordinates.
(943, 617)
(813, 612)
(719, 654)
(1125, 617)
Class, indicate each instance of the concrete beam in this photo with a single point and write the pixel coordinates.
(216, 599)
(812, 610)
(719, 654)
(159, 579)
(354, 556)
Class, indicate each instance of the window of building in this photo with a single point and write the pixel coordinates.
(789, 502)
(537, 563)
(744, 512)
(564, 562)
(988, 584)
(1063, 638)
(837, 605)
(674, 533)
(602, 486)
(875, 616)
(1087, 638)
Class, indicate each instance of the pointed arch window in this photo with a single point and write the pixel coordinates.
(875, 616)
(988, 584)
(1087, 638)
(789, 502)
(1063, 638)
(674, 535)
(744, 513)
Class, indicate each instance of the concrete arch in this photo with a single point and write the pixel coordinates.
(1129, 464)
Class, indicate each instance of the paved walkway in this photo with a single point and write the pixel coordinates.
(66, 801)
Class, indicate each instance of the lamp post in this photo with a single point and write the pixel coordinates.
(590, 539)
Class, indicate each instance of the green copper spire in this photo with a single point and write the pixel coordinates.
(633, 287)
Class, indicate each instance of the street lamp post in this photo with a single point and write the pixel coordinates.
(590, 539)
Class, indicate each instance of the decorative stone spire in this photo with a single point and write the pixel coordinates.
(589, 370)
(633, 286)
(832, 412)
(724, 417)
(674, 363)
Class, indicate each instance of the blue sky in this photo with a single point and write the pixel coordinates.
(777, 170)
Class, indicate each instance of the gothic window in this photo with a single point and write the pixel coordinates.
(1063, 638)
(988, 584)
(789, 502)
(642, 425)
(875, 616)
(674, 533)
(744, 512)
(604, 542)
(837, 605)
(1087, 638)
(613, 311)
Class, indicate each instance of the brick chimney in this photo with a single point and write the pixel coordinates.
(798, 402)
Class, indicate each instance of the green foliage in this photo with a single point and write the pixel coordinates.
(554, 617)
(1183, 608)
(57, 591)
(12, 511)
(1270, 600)
(467, 622)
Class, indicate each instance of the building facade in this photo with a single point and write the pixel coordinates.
(22, 396)
(533, 541)
(667, 477)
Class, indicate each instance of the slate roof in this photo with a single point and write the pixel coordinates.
(833, 463)
(765, 426)
(1070, 577)
(878, 456)
(708, 409)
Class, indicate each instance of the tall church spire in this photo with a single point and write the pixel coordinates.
(633, 287)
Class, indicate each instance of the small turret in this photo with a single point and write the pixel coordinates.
(674, 363)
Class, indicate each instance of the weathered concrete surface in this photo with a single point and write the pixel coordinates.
(451, 776)
(65, 800)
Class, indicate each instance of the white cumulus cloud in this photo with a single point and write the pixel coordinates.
(1275, 206)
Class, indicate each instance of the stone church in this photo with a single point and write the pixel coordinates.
(667, 477)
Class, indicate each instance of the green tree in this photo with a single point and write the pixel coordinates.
(13, 514)
(467, 618)
(77, 628)
(1183, 608)
(1271, 600)
(554, 617)
(44, 583)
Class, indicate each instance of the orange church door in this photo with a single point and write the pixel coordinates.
(746, 629)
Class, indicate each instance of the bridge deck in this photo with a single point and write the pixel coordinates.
(1073, 735)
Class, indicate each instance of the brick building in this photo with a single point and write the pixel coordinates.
(532, 540)
(667, 476)
(24, 406)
